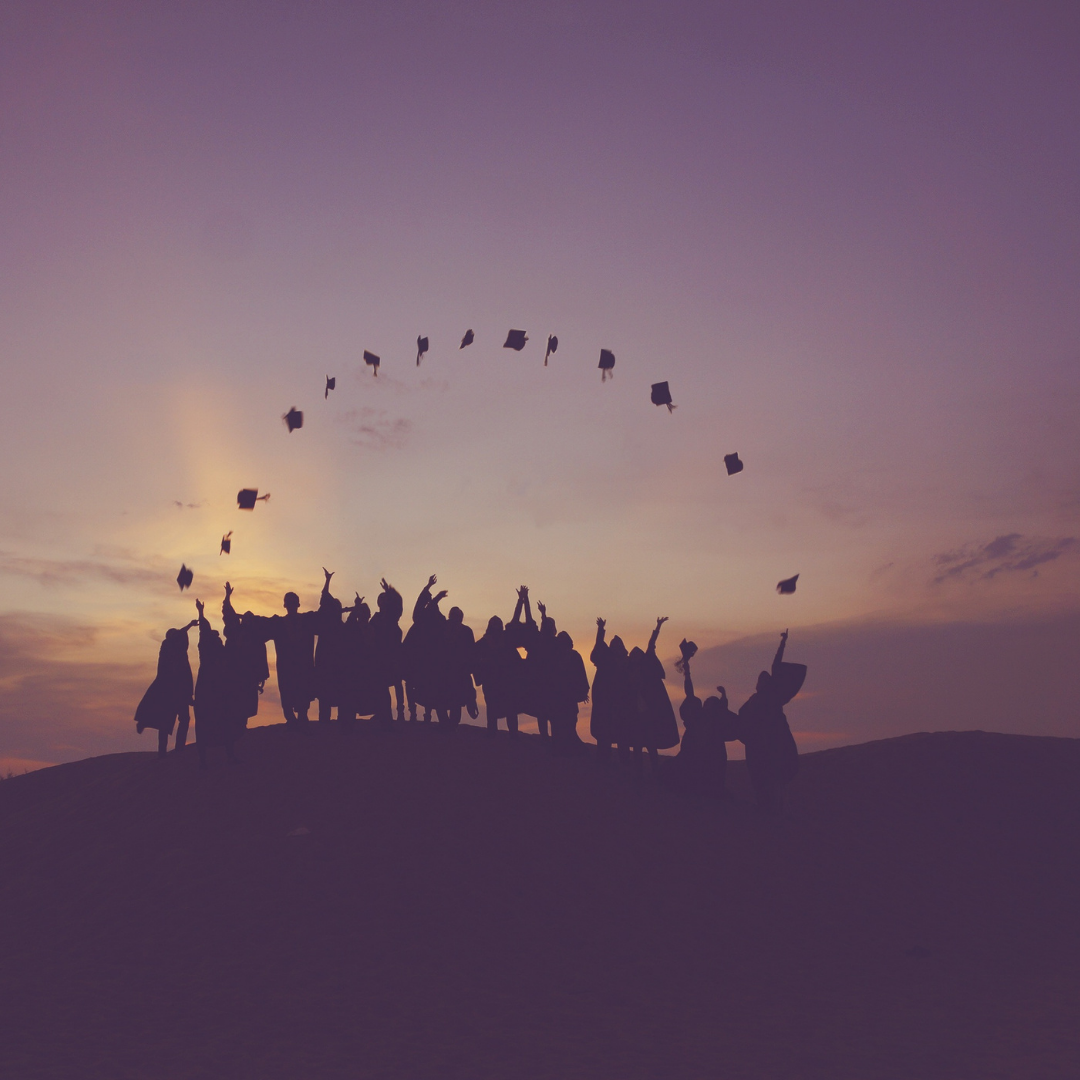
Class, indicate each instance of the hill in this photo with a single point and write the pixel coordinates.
(461, 907)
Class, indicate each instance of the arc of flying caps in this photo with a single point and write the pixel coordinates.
(552, 346)
(331, 383)
(468, 339)
(515, 340)
(248, 497)
(661, 395)
(372, 362)
(607, 364)
(421, 348)
(732, 464)
(787, 586)
(184, 578)
(294, 419)
(226, 544)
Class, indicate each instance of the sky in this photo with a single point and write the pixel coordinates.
(846, 234)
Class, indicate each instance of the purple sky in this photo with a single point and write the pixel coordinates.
(847, 234)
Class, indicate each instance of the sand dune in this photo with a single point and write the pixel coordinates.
(467, 908)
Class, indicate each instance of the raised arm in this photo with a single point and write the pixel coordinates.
(601, 629)
(228, 612)
(522, 593)
(423, 599)
(203, 621)
(687, 682)
(324, 596)
(529, 620)
(655, 634)
(778, 659)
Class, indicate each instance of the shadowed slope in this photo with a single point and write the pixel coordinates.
(463, 907)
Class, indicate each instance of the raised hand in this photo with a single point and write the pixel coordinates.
(329, 574)
(660, 621)
(438, 596)
(600, 623)
(228, 589)
(385, 585)
(542, 608)
(783, 636)
(199, 607)
(431, 581)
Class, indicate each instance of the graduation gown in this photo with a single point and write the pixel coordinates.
(171, 691)
(611, 697)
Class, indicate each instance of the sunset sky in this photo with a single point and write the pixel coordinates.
(847, 234)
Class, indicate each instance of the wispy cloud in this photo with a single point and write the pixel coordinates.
(1008, 554)
(80, 571)
(373, 429)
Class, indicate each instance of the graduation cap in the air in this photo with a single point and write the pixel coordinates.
(607, 364)
(553, 346)
(294, 419)
(331, 382)
(421, 348)
(787, 585)
(372, 362)
(661, 395)
(247, 498)
(226, 544)
(515, 340)
(732, 464)
(184, 578)
(468, 339)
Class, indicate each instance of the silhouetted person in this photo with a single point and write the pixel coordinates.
(169, 696)
(568, 687)
(330, 658)
(245, 654)
(772, 758)
(653, 725)
(387, 657)
(700, 766)
(421, 649)
(361, 694)
(524, 634)
(611, 699)
(541, 672)
(217, 719)
(294, 642)
(454, 662)
(498, 668)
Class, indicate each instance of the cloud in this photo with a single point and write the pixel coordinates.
(373, 429)
(1011, 553)
(872, 680)
(60, 698)
(81, 571)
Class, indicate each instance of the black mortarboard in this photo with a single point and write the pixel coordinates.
(515, 340)
(787, 585)
(184, 578)
(607, 362)
(421, 348)
(468, 339)
(733, 464)
(330, 384)
(661, 395)
(247, 498)
(372, 362)
(553, 346)
(294, 419)
(226, 543)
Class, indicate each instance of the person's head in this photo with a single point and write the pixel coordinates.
(363, 613)
(636, 655)
(292, 603)
(390, 602)
(332, 605)
(494, 626)
(565, 641)
(764, 681)
(711, 707)
(455, 617)
(618, 647)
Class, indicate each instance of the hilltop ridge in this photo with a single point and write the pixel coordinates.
(458, 906)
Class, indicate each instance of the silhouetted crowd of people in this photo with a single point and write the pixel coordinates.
(360, 664)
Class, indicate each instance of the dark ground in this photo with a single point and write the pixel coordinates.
(467, 908)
